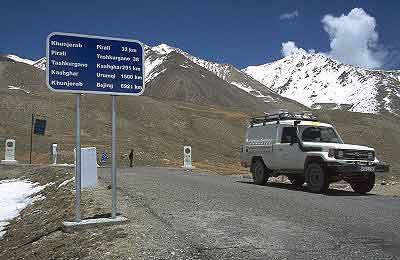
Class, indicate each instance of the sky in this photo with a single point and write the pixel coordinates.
(242, 33)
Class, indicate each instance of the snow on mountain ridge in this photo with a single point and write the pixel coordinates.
(221, 70)
(313, 78)
(40, 63)
(19, 59)
(226, 72)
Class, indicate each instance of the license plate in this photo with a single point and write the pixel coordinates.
(367, 168)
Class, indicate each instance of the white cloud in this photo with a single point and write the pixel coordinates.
(287, 16)
(290, 48)
(353, 39)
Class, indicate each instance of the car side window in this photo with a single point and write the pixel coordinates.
(288, 134)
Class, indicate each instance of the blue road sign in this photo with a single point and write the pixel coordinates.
(39, 127)
(90, 64)
(103, 157)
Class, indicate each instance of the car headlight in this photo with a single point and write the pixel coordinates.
(339, 154)
(371, 156)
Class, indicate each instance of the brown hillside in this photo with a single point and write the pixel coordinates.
(156, 127)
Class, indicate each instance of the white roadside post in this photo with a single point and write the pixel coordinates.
(9, 156)
(55, 153)
(101, 65)
(187, 158)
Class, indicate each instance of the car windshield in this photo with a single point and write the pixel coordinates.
(319, 134)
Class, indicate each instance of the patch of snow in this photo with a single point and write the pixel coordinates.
(163, 48)
(66, 182)
(15, 195)
(151, 64)
(19, 59)
(39, 197)
(13, 88)
(63, 164)
(183, 66)
(154, 75)
(242, 86)
(258, 94)
(40, 63)
(10, 87)
(248, 89)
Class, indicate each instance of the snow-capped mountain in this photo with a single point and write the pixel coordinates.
(317, 81)
(313, 80)
(157, 55)
(174, 74)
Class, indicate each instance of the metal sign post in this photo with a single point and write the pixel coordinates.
(113, 163)
(78, 167)
(30, 148)
(79, 64)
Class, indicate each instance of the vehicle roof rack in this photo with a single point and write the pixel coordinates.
(282, 114)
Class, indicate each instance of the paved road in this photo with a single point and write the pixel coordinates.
(225, 217)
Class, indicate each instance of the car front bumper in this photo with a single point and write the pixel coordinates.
(356, 168)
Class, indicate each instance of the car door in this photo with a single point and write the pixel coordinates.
(287, 152)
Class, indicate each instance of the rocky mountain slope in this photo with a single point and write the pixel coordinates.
(175, 77)
(156, 55)
(315, 80)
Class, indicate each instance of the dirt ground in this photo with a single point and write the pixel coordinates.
(37, 232)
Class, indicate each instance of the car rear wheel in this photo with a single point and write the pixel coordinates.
(317, 179)
(260, 173)
(297, 180)
(364, 186)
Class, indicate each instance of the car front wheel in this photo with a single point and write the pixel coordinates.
(364, 186)
(260, 174)
(317, 179)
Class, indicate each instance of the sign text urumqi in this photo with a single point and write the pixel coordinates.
(90, 64)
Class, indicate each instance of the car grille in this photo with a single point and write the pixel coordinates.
(355, 155)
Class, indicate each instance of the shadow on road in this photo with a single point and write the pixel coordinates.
(287, 186)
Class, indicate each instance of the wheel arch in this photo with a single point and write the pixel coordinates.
(313, 159)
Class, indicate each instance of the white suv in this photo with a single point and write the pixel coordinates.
(305, 150)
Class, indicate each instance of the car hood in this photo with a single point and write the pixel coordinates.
(326, 146)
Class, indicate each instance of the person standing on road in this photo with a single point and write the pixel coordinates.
(131, 159)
